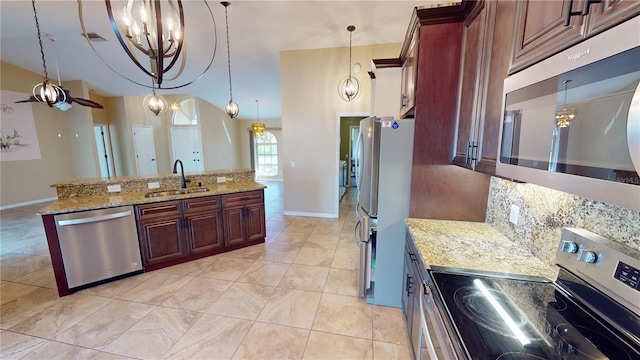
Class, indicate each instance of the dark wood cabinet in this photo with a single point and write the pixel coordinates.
(409, 59)
(203, 224)
(244, 217)
(160, 230)
(540, 29)
(172, 232)
(486, 47)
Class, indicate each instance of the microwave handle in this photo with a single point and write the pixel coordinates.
(424, 330)
(633, 129)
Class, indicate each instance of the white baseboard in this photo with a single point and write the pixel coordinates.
(11, 206)
(308, 214)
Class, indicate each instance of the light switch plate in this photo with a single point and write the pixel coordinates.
(154, 185)
(114, 188)
(515, 212)
(222, 179)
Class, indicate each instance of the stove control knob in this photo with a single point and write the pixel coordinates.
(569, 246)
(587, 256)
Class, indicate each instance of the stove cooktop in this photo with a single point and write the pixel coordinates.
(501, 318)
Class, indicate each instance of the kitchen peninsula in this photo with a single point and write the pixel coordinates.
(218, 211)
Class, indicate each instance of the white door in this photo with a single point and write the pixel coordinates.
(187, 147)
(103, 144)
(145, 150)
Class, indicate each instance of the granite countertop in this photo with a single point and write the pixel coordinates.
(473, 246)
(73, 204)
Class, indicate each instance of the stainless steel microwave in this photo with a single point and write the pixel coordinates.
(572, 121)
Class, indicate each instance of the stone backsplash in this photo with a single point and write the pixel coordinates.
(544, 212)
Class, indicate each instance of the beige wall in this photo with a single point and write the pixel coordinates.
(310, 105)
(220, 138)
(83, 141)
(29, 181)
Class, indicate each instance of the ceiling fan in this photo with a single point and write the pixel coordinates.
(63, 103)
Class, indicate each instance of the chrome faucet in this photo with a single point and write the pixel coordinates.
(175, 171)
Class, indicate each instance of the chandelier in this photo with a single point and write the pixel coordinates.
(565, 116)
(45, 91)
(232, 109)
(349, 87)
(151, 33)
(258, 127)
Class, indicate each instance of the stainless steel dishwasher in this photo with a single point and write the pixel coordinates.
(98, 244)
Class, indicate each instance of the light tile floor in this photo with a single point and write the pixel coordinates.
(294, 297)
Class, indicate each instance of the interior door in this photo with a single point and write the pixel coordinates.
(103, 143)
(145, 150)
(187, 146)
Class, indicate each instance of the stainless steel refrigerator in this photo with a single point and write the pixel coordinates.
(383, 178)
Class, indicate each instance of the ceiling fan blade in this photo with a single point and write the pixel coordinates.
(85, 102)
(30, 99)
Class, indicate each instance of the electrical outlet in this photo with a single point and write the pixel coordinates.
(114, 188)
(515, 212)
(293, 164)
(222, 179)
(153, 185)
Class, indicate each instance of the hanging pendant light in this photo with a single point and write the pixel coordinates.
(232, 109)
(258, 127)
(156, 104)
(154, 30)
(349, 87)
(45, 91)
(564, 117)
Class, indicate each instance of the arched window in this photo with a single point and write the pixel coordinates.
(186, 115)
(267, 155)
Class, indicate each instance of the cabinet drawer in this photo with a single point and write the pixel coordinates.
(209, 203)
(244, 198)
(166, 208)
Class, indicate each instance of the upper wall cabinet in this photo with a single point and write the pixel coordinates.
(409, 58)
(544, 28)
(486, 48)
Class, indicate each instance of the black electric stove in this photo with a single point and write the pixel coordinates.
(590, 312)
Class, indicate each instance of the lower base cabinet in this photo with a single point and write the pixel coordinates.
(177, 231)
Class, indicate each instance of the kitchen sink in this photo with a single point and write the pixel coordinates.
(173, 192)
(165, 193)
(197, 190)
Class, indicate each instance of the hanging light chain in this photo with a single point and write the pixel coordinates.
(44, 64)
(226, 17)
(351, 28)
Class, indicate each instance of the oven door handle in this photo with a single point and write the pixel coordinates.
(424, 330)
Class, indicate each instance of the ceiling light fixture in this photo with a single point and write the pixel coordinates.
(232, 109)
(45, 91)
(174, 106)
(153, 29)
(258, 127)
(156, 104)
(349, 87)
(565, 116)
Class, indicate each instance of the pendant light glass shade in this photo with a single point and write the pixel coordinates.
(156, 104)
(258, 127)
(232, 109)
(349, 87)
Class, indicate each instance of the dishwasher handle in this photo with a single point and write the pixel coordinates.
(93, 219)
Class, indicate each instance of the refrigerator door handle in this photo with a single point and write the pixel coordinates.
(359, 161)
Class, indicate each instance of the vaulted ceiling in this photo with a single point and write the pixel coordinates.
(258, 30)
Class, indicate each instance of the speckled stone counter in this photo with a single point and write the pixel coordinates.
(80, 203)
(473, 246)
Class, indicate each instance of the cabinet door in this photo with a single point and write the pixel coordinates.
(540, 31)
(161, 239)
(408, 290)
(471, 86)
(609, 13)
(408, 78)
(234, 226)
(255, 222)
(204, 232)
